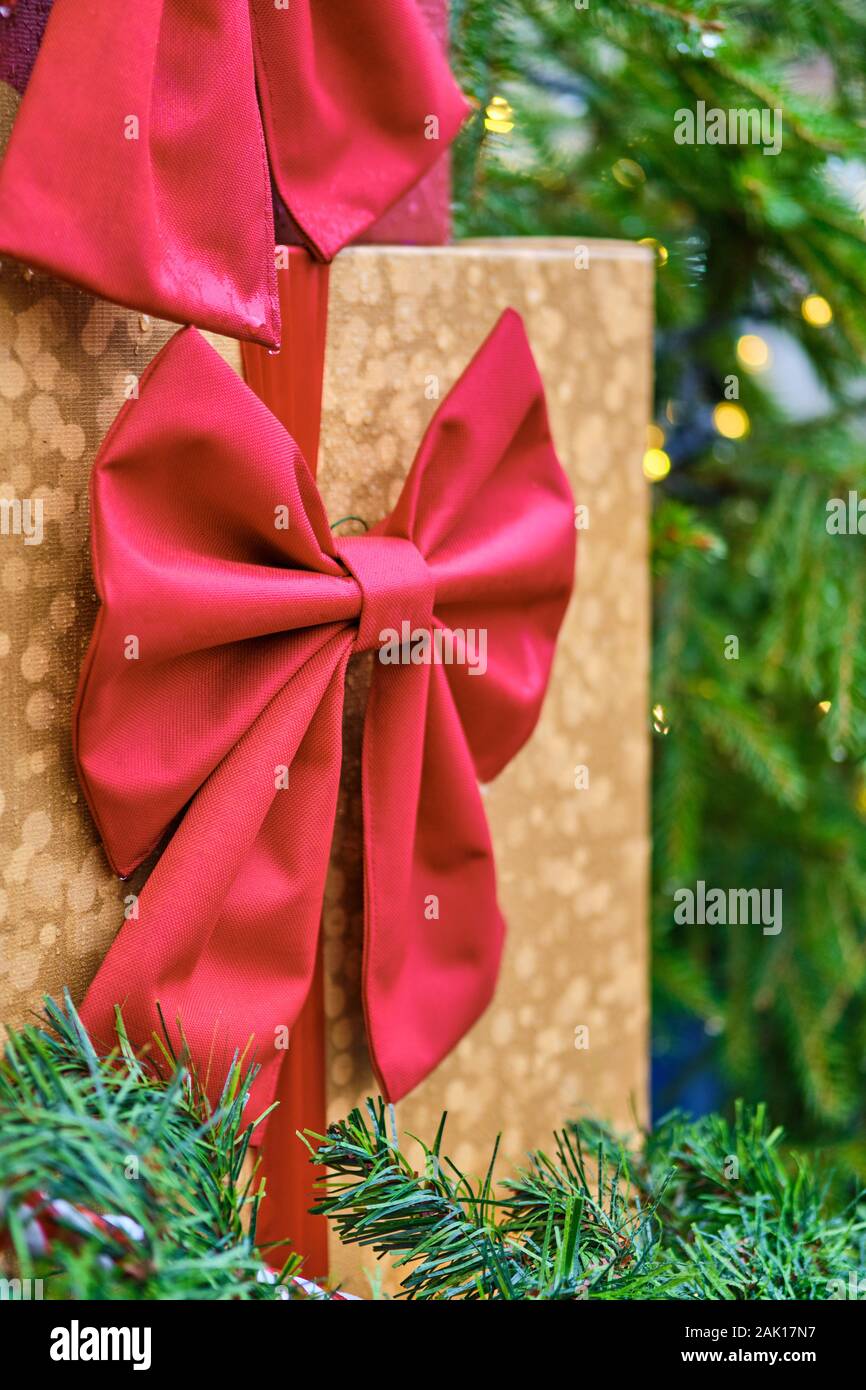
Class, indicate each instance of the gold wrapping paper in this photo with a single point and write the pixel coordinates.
(66, 363)
(572, 863)
(403, 323)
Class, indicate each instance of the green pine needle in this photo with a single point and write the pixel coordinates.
(116, 1138)
(698, 1210)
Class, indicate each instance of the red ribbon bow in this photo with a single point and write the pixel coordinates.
(137, 165)
(213, 691)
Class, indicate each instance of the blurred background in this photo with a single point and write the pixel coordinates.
(760, 759)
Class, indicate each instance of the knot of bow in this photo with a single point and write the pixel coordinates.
(211, 698)
(138, 164)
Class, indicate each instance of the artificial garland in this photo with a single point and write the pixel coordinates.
(118, 1180)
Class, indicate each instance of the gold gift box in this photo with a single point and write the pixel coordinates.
(567, 1031)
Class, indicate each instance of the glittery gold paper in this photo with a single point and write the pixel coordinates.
(66, 363)
(572, 864)
(403, 323)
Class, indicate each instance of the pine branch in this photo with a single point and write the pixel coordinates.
(697, 1210)
(119, 1182)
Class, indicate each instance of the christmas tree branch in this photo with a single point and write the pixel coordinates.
(695, 1210)
(119, 1180)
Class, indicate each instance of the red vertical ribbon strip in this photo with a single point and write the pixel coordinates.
(289, 382)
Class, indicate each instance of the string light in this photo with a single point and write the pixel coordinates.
(499, 116)
(816, 310)
(753, 352)
(656, 465)
(731, 420)
(662, 253)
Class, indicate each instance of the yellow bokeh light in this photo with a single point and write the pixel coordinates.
(753, 351)
(860, 801)
(731, 420)
(660, 720)
(656, 465)
(816, 310)
(654, 245)
(498, 116)
(655, 437)
(825, 706)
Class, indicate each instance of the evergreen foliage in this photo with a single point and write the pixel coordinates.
(134, 1141)
(761, 779)
(133, 1186)
(699, 1210)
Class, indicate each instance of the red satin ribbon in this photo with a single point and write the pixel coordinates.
(290, 381)
(218, 661)
(138, 164)
(290, 385)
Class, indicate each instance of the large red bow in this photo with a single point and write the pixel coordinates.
(137, 165)
(213, 690)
